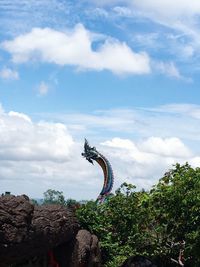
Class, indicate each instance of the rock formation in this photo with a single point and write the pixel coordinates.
(31, 233)
(138, 261)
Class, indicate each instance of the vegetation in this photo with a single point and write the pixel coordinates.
(52, 196)
(161, 224)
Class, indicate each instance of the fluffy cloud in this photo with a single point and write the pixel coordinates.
(35, 156)
(75, 48)
(143, 163)
(166, 147)
(195, 162)
(22, 139)
(9, 74)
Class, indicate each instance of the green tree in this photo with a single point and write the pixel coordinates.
(115, 222)
(54, 197)
(72, 203)
(175, 205)
(34, 201)
(149, 223)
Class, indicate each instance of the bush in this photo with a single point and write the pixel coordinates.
(149, 223)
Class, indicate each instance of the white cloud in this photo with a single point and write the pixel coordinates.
(180, 120)
(168, 8)
(167, 68)
(21, 15)
(143, 163)
(120, 143)
(21, 139)
(35, 156)
(162, 147)
(153, 140)
(181, 16)
(9, 74)
(166, 147)
(43, 88)
(97, 12)
(75, 48)
(19, 115)
(123, 11)
(111, 120)
(195, 162)
(186, 110)
(147, 40)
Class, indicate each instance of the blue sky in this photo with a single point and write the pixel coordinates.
(124, 74)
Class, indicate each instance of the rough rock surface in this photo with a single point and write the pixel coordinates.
(26, 231)
(43, 236)
(83, 251)
(86, 250)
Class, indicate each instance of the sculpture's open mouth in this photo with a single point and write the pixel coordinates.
(90, 153)
(88, 157)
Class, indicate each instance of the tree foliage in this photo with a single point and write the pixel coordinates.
(54, 197)
(150, 223)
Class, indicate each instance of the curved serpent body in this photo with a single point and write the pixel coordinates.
(90, 153)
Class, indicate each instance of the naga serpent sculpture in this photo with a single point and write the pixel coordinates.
(90, 153)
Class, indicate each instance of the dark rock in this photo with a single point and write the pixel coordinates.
(27, 231)
(86, 251)
(83, 251)
(138, 261)
(38, 236)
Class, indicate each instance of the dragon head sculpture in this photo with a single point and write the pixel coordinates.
(90, 153)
